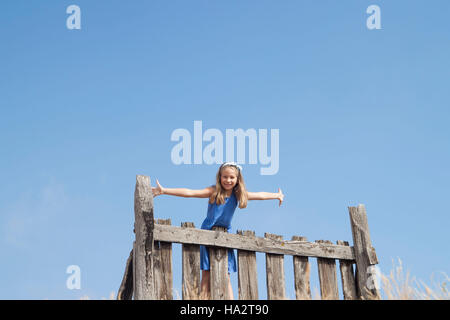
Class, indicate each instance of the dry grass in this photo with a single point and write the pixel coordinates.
(399, 285)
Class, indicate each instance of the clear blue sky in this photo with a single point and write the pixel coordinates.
(363, 118)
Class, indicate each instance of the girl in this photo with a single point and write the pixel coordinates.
(224, 197)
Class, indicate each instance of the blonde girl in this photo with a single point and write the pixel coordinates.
(228, 193)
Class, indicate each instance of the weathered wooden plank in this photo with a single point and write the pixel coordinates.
(275, 273)
(358, 293)
(162, 267)
(247, 273)
(191, 268)
(257, 244)
(327, 276)
(365, 256)
(133, 264)
(347, 276)
(301, 274)
(218, 259)
(125, 291)
(144, 287)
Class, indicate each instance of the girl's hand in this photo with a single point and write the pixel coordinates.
(156, 191)
(280, 196)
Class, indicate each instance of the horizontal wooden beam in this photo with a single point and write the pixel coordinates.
(221, 239)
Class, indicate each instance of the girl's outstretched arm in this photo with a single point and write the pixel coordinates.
(266, 196)
(182, 192)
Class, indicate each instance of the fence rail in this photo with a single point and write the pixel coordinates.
(149, 271)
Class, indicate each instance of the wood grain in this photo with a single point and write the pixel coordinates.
(163, 267)
(143, 280)
(218, 259)
(365, 256)
(275, 273)
(327, 276)
(347, 276)
(247, 272)
(191, 268)
(301, 274)
(257, 244)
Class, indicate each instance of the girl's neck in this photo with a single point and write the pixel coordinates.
(228, 193)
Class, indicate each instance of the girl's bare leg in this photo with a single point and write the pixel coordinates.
(205, 289)
(230, 289)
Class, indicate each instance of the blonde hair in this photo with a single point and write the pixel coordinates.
(239, 189)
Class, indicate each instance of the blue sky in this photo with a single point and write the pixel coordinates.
(362, 115)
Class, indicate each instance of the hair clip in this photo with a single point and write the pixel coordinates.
(234, 164)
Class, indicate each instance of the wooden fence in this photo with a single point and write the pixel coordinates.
(149, 273)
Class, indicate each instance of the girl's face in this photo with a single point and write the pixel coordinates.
(228, 178)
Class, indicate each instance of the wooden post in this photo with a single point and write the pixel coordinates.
(191, 268)
(162, 265)
(126, 287)
(365, 255)
(133, 264)
(247, 276)
(218, 259)
(347, 276)
(301, 274)
(144, 287)
(327, 277)
(275, 272)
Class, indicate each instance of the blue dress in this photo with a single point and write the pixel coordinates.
(219, 215)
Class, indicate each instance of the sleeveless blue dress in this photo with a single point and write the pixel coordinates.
(219, 215)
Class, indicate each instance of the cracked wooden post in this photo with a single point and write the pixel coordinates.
(143, 278)
(162, 266)
(327, 276)
(190, 268)
(347, 276)
(276, 289)
(364, 254)
(218, 259)
(301, 274)
(247, 273)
